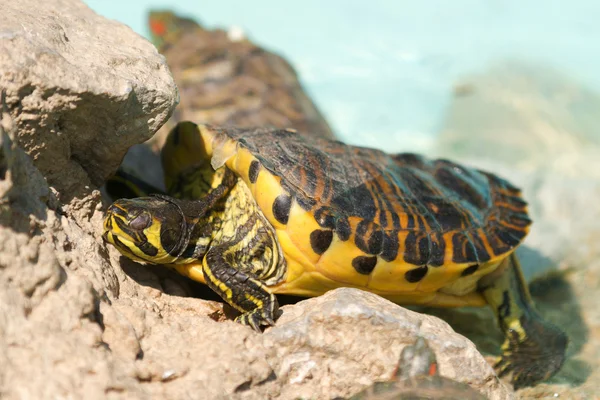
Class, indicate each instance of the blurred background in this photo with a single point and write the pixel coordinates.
(384, 73)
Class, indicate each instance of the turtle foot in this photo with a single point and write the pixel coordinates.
(533, 352)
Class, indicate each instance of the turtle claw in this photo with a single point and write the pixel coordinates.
(523, 375)
(269, 321)
(255, 319)
(534, 358)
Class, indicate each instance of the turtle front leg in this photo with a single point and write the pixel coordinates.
(534, 349)
(241, 289)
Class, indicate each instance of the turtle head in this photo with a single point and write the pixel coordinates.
(149, 229)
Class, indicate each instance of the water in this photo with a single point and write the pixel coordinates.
(383, 71)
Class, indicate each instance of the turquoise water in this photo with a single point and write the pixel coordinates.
(383, 71)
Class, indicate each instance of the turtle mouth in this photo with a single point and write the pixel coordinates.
(124, 246)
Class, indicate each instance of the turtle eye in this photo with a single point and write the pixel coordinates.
(140, 222)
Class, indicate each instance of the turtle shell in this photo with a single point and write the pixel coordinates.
(400, 225)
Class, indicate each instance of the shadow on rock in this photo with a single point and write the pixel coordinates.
(166, 280)
(172, 283)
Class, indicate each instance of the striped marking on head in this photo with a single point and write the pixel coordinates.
(136, 232)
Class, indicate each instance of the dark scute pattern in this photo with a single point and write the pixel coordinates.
(449, 217)
(325, 218)
(390, 246)
(343, 229)
(424, 244)
(364, 265)
(438, 249)
(306, 203)
(520, 220)
(410, 159)
(401, 192)
(464, 251)
(511, 237)
(281, 208)
(375, 243)
(418, 248)
(470, 270)
(359, 238)
(516, 202)
(369, 237)
(468, 247)
(481, 253)
(320, 240)
(358, 200)
(417, 181)
(472, 187)
(309, 178)
(253, 171)
(493, 235)
(416, 275)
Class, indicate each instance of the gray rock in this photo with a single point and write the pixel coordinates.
(48, 330)
(348, 338)
(81, 89)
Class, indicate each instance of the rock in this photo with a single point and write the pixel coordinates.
(81, 89)
(49, 333)
(537, 129)
(338, 343)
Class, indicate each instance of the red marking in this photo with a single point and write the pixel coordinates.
(158, 27)
(433, 369)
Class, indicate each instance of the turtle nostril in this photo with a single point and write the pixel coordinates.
(140, 222)
(112, 209)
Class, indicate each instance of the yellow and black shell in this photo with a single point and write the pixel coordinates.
(412, 229)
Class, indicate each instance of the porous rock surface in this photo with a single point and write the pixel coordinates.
(81, 89)
(539, 129)
(79, 321)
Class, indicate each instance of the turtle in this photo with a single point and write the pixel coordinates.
(256, 212)
(417, 377)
